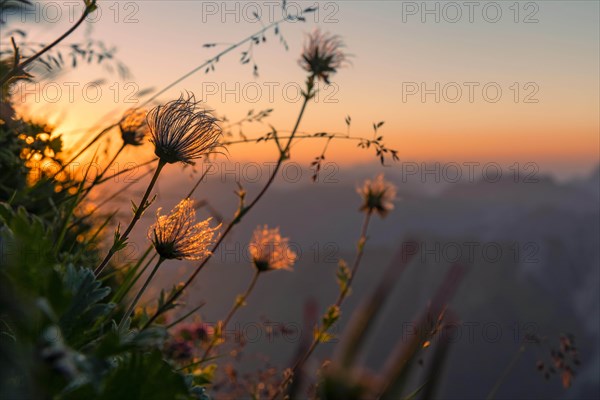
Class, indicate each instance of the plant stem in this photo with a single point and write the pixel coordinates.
(212, 60)
(71, 209)
(359, 253)
(139, 294)
(506, 372)
(239, 302)
(282, 157)
(191, 192)
(241, 212)
(182, 318)
(31, 59)
(121, 172)
(87, 146)
(98, 178)
(342, 296)
(138, 213)
(111, 162)
(108, 199)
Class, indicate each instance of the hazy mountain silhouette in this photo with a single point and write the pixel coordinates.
(548, 274)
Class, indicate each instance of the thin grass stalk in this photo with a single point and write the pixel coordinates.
(116, 174)
(140, 292)
(439, 359)
(299, 136)
(397, 366)
(239, 302)
(133, 276)
(98, 179)
(138, 213)
(362, 320)
(185, 316)
(71, 209)
(94, 235)
(359, 254)
(108, 199)
(84, 149)
(506, 372)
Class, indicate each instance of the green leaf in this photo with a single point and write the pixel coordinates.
(27, 247)
(205, 375)
(85, 293)
(151, 337)
(343, 275)
(330, 317)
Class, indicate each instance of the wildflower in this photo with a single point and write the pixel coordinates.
(322, 55)
(175, 236)
(181, 132)
(194, 331)
(378, 195)
(203, 331)
(133, 126)
(179, 350)
(270, 251)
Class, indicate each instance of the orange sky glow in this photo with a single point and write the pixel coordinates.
(435, 84)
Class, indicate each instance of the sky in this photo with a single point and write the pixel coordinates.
(506, 82)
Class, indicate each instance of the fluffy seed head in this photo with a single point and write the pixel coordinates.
(378, 195)
(177, 236)
(323, 55)
(133, 126)
(182, 132)
(270, 251)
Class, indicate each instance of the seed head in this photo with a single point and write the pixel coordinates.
(181, 132)
(177, 236)
(270, 251)
(323, 55)
(133, 126)
(378, 195)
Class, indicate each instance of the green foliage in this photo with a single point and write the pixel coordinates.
(83, 306)
(343, 275)
(339, 386)
(329, 319)
(205, 375)
(144, 377)
(68, 346)
(27, 247)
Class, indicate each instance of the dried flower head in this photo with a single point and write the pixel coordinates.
(180, 131)
(323, 55)
(378, 195)
(177, 236)
(133, 126)
(270, 251)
